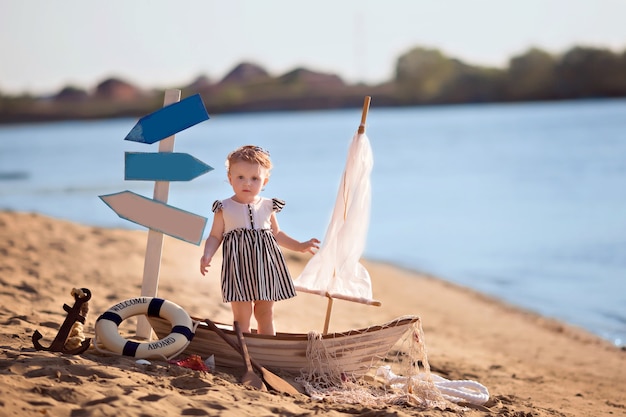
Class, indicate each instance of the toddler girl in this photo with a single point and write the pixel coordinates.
(254, 272)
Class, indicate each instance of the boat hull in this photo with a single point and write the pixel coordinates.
(353, 352)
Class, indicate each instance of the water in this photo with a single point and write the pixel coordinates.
(525, 202)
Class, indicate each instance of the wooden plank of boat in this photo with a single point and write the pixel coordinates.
(354, 351)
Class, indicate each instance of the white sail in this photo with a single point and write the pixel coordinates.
(335, 270)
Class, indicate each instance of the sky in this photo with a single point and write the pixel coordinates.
(47, 45)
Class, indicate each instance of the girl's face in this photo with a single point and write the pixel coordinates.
(247, 180)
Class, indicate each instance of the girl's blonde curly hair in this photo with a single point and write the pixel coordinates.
(249, 153)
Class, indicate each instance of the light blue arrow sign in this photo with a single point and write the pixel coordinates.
(163, 166)
(169, 120)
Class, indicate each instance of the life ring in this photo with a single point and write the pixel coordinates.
(107, 331)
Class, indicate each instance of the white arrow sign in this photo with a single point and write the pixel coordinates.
(158, 216)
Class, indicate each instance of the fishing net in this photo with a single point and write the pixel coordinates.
(401, 377)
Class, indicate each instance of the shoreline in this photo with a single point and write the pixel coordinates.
(531, 365)
(405, 269)
(494, 299)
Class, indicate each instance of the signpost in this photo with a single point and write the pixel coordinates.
(162, 167)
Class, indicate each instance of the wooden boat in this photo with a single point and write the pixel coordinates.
(354, 352)
(333, 272)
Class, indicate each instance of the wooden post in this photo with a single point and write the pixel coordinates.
(366, 107)
(154, 246)
(329, 309)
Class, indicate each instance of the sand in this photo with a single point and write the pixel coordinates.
(531, 365)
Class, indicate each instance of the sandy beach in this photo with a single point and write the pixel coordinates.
(531, 365)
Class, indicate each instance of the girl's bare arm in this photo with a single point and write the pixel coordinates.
(288, 242)
(212, 242)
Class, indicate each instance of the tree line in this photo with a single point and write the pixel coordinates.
(426, 76)
(423, 76)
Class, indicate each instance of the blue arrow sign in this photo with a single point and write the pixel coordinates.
(169, 120)
(163, 166)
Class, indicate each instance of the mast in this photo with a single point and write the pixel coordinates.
(361, 130)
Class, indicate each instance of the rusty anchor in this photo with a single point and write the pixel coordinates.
(74, 314)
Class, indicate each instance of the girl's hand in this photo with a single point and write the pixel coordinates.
(205, 263)
(311, 246)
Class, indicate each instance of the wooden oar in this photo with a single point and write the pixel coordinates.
(249, 379)
(272, 380)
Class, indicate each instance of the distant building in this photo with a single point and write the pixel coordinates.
(245, 73)
(317, 80)
(117, 90)
(71, 94)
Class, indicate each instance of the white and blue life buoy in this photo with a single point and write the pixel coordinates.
(107, 328)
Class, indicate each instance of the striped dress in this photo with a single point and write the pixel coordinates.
(253, 266)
